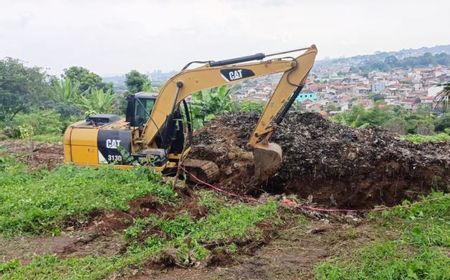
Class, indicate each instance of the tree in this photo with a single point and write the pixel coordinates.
(443, 122)
(21, 88)
(86, 79)
(98, 101)
(396, 125)
(137, 82)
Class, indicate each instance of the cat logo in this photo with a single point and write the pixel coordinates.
(236, 74)
(112, 143)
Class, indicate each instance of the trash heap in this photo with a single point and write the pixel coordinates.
(325, 162)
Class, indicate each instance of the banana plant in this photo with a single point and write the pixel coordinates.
(207, 104)
(66, 92)
(97, 101)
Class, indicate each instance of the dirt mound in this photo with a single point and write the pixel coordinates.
(35, 154)
(330, 163)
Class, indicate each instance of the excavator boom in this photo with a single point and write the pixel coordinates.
(267, 156)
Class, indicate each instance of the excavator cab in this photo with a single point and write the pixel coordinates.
(173, 137)
(139, 108)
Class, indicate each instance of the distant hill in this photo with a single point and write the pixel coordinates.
(380, 57)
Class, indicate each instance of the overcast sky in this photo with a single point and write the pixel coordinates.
(115, 36)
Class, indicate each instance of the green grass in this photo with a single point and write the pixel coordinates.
(388, 260)
(224, 226)
(419, 253)
(418, 139)
(36, 202)
(90, 267)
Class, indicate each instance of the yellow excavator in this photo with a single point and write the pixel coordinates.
(157, 129)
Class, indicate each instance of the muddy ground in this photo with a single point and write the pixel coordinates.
(35, 154)
(327, 163)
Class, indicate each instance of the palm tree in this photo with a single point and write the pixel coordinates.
(442, 98)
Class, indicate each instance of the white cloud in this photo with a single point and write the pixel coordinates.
(112, 36)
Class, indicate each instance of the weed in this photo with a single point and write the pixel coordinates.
(418, 139)
(387, 260)
(351, 234)
(138, 226)
(210, 200)
(8, 266)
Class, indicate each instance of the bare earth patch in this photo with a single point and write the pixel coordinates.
(291, 255)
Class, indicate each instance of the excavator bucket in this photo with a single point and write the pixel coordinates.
(267, 160)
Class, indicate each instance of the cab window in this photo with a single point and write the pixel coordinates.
(143, 109)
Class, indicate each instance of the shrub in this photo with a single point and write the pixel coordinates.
(43, 122)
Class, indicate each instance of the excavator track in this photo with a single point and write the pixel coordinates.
(202, 169)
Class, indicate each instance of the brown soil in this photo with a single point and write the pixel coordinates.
(35, 154)
(332, 164)
(291, 255)
(69, 243)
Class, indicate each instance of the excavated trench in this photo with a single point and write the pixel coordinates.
(326, 163)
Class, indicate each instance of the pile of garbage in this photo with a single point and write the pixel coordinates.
(328, 163)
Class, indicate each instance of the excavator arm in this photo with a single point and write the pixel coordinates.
(213, 74)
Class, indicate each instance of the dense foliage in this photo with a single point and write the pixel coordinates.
(137, 82)
(207, 104)
(21, 88)
(443, 97)
(396, 119)
(43, 105)
(86, 79)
